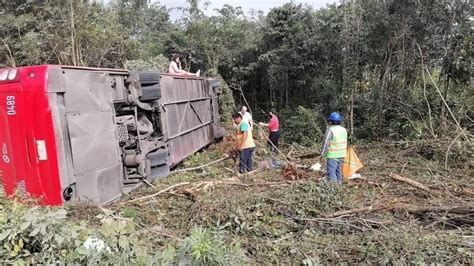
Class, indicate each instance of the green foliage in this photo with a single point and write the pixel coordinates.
(76, 33)
(202, 247)
(35, 235)
(123, 241)
(200, 158)
(42, 235)
(303, 127)
(45, 236)
(159, 63)
(367, 59)
(227, 106)
(216, 42)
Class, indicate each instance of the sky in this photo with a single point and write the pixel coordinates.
(264, 5)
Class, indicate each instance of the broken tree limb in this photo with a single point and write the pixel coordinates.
(351, 211)
(148, 183)
(157, 193)
(309, 155)
(411, 182)
(206, 183)
(411, 209)
(289, 154)
(459, 209)
(202, 166)
(234, 183)
(291, 151)
(447, 152)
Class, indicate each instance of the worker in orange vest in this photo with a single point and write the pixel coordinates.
(334, 147)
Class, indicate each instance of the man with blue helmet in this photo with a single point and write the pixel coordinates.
(335, 147)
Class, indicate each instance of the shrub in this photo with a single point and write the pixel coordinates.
(202, 247)
(303, 128)
(43, 235)
(159, 63)
(227, 105)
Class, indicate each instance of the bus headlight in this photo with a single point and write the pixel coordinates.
(3, 75)
(12, 74)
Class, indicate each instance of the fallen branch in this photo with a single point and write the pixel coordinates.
(460, 209)
(232, 183)
(288, 155)
(412, 209)
(291, 151)
(309, 155)
(351, 211)
(398, 166)
(230, 170)
(156, 194)
(148, 183)
(202, 166)
(207, 184)
(411, 182)
(447, 152)
(357, 181)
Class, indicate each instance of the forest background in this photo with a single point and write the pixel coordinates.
(394, 69)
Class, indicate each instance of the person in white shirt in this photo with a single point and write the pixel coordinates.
(175, 68)
(246, 116)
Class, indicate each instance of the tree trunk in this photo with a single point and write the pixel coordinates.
(73, 37)
(442, 116)
(351, 111)
(286, 86)
(385, 73)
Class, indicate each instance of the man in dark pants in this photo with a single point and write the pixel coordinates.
(334, 147)
(274, 128)
(245, 143)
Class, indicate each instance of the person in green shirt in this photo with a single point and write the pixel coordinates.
(245, 143)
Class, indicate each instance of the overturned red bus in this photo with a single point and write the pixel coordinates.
(73, 133)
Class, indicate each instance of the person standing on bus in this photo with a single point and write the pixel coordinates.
(245, 143)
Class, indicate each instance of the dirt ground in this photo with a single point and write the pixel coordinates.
(310, 220)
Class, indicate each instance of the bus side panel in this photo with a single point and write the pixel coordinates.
(186, 115)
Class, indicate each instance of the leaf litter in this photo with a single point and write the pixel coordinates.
(291, 215)
(408, 209)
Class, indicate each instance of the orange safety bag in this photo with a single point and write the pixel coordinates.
(351, 163)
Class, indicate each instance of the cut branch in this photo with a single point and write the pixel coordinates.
(351, 211)
(309, 155)
(411, 182)
(463, 210)
(157, 193)
(202, 166)
(411, 209)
